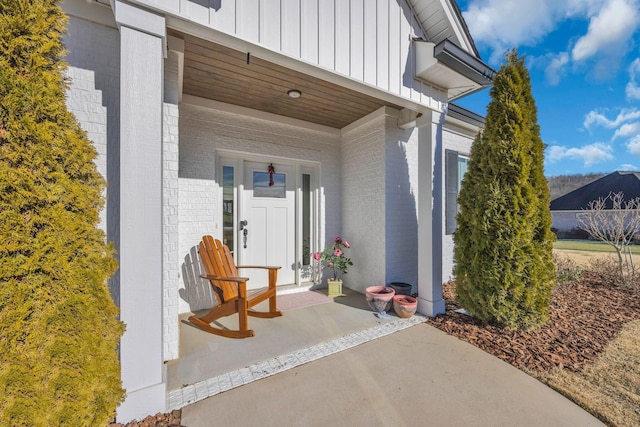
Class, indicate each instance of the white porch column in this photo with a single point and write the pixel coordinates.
(142, 36)
(430, 232)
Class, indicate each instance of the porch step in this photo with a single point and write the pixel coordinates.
(192, 393)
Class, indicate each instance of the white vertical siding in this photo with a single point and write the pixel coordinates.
(222, 14)
(406, 58)
(356, 26)
(382, 44)
(197, 12)
(370, 44)
(343, 37)
(290, 27)
(270, 23)
(395, 60)
(309, 33)
(248, 19)
(367, 40)
(326, 34)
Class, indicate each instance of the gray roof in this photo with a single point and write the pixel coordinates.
(625, 182)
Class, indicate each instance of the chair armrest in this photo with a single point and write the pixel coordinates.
(227, 279)
(258, 266)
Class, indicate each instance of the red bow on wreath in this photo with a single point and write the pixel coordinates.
(272, 170)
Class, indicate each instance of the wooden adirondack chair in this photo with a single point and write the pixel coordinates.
(231, 291)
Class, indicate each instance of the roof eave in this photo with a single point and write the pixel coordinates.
(470, 66)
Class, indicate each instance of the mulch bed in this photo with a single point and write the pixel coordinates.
(585, 316)
(171, 419)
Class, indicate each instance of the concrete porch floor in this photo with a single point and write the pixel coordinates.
(210, 364)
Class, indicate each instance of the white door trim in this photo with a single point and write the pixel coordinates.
(237, 159)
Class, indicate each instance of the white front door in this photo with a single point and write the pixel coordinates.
(268, 238)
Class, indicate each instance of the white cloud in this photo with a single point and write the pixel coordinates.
(628, 167)
(634, 145)
(589, 154)
(611, 27)
(503, 24)
(556, 68)
(594, 118)
(506, 23)
(627, 129)
(633, 87)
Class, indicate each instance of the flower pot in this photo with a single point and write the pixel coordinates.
(335, 288)
(379, 298)
(401, 288)
(404, 305)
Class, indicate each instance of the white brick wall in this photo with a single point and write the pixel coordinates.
(203, 131)
(93, 55)
(402, 195)
(380, 174)
(363, 180)
(170, 271)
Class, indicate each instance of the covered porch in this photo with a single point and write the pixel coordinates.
(313, 326)
(191, 90)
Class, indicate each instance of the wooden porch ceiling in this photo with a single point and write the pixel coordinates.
(217, 72)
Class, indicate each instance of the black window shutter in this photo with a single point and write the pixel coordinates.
(451, 189)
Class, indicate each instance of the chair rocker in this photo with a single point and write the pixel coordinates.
(231, 291)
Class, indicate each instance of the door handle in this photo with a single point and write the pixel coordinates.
(243, 228)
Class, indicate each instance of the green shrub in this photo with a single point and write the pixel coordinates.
(504, 263)
(567, 270)
(58, 324)
(605, 270)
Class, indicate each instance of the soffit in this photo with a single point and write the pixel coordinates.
(442, 20)
(226, 75)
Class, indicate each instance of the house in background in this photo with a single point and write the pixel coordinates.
(195, 106)
(565, 209)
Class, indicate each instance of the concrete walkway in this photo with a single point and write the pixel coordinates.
(416, 377)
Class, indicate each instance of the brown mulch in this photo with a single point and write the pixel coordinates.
(171, 419)
(585, 316)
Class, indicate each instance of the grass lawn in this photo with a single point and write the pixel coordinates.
(610, 387)
(583, 252)
(589, 246)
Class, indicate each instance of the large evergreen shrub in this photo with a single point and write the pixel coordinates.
(58, 324)
(504, 264)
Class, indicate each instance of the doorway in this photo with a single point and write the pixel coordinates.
(269, 212)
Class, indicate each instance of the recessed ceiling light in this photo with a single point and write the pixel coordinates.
(294, 93)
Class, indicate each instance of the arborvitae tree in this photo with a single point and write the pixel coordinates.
(503, 244)
(58, 324)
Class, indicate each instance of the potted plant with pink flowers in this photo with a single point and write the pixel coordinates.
(333, 257)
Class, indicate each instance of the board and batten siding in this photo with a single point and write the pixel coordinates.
(366, 40)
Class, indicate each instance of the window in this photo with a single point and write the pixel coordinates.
(228, 201)
(269, 185)
(306, 219)
(455, 168)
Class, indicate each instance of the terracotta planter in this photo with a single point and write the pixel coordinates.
(404, 305)
(379, 298)
(335, 288)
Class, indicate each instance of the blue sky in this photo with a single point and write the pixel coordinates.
(584, 61)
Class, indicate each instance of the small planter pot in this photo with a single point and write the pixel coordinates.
(401, 288)
(404, 305)
(334, 288)
(380, 298)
